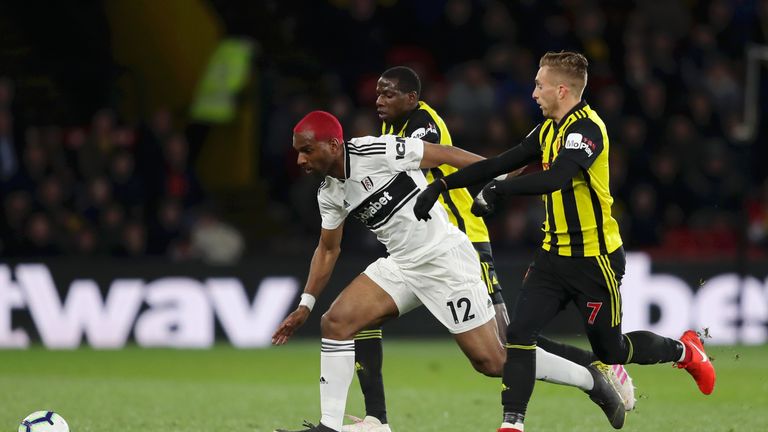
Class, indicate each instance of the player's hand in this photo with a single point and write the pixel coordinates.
(426, 200)
(290, 324)
(485, 201)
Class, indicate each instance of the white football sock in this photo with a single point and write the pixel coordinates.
(557, 370)
(682, 356)
(337, 365)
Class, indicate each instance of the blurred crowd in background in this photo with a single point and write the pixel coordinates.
(104, 189)
(667, 77)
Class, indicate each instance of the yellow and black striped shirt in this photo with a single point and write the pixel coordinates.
(424, 123)
(578, 216)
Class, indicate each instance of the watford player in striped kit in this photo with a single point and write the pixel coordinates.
(404, 114)
(581, 259)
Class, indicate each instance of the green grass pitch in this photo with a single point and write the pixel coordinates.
(430, 387)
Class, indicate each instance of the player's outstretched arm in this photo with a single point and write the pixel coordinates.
(482, 171)
(542, 182)
(557, 177)
(436, 154)
(516, 157)
(320, 269)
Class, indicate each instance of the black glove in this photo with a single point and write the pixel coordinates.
(485, 201)
(427, 198)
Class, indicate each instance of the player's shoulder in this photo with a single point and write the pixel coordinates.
(534, 133)
(368, 146)
(535, 136)
(369, 141)
(423, 115)
(330, 193)
(423, 125)
(361, 141)
(325, 186)
(586, 126)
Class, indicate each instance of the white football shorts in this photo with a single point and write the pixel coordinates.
(449, 286)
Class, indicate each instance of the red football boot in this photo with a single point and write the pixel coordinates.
(697, 362)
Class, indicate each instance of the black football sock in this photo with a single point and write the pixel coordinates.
(568, 352)
(649, 348)
(518, 379)
(368, 362)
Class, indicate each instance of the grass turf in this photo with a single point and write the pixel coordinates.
(430, 387)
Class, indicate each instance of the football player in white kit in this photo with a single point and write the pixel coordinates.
(375, 179)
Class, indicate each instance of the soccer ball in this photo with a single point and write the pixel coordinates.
(43, 421)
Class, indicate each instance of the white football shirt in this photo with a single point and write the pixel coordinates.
(382, 180)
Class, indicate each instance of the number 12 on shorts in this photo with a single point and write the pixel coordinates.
(595, 306)
(462, 303)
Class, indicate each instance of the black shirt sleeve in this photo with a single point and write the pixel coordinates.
(421, 125)
(555, 178)
(582, 144)
(516, 157)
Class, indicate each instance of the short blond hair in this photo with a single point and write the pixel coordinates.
(571, 65)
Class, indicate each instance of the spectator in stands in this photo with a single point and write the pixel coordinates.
(110, 227)
(17, 206)
(127, 186)
(97, 196)
(39, 237)
(179, 181)
(134, 241)
(166, 227)
(213, 241)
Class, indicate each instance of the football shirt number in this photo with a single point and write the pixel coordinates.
(461, 303)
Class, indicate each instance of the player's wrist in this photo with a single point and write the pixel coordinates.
(443, 185)
(308, 301)
(489, 191)
(438, 185)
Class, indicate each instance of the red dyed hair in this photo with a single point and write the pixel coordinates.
(323, 124)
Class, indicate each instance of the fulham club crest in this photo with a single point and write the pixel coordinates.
(367, 184)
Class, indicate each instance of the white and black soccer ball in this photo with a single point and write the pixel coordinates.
(44, 421)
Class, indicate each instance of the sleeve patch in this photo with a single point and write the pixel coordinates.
(577, 141)
(424, 131)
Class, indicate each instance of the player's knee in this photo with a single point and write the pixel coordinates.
(490, 364)
(334, 326)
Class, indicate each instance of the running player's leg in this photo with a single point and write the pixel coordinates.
(369, 358)
(554, 360)
(599, 301)
(539, 300)
(362, 303)
(451, 287)
(617, 374)
(596, 282)
(488, 272)
(482, 348)
(570, 352)
(550, 368)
